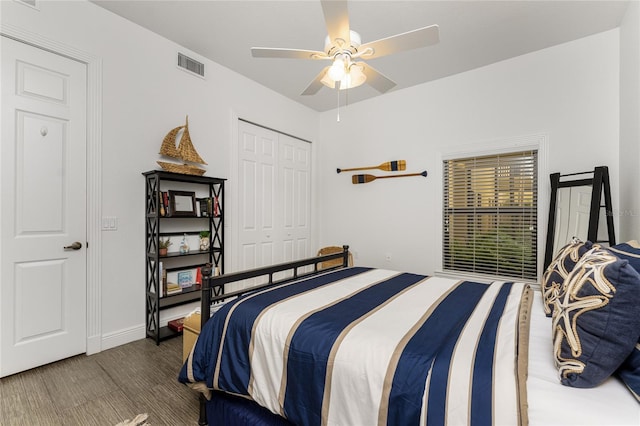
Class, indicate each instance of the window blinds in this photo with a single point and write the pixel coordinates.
(490, 215)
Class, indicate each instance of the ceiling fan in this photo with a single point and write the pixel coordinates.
(343, 46)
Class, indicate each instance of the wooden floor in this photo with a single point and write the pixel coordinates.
(102, 389)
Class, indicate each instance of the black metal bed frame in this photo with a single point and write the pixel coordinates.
(213, 287)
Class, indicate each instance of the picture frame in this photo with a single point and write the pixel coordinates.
(186, 278)
(203, 207)
(182, 203)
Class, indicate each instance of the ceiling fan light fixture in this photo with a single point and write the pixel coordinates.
(338, 69)
(327, 81)
(349, 74)
(354, 78)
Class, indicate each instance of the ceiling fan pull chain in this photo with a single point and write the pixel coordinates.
(346, 98)
(338, 86)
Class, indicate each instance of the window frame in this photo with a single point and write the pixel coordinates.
(537, 142)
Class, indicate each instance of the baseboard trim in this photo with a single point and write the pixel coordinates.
(122, 337)
(94, 345)
(128, 335)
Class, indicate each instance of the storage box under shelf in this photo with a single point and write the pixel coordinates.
(190, 333)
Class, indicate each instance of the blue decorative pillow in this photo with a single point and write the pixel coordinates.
(596, 322)
(629, 251)
(555, 275)
(629, 371)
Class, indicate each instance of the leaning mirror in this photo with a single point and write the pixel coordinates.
(576, 203)
(572, 214)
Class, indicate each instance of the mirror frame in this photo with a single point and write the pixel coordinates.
(599, 182)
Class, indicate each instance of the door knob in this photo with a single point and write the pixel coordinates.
(75, 246)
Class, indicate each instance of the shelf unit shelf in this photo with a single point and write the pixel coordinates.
(165, 333)
(157, 226)
(178, 255)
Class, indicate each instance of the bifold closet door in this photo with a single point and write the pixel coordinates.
(294, 171)
(274, 196)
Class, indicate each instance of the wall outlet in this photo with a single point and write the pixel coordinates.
(387, 257)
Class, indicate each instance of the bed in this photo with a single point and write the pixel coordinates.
(360, 346)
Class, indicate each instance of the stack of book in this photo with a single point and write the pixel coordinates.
(163, 199)
(173, 288)
(176, 324)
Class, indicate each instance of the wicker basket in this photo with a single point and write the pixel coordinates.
(335, 262)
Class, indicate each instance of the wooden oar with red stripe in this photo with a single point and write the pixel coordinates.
(389, 166)
(356, 179)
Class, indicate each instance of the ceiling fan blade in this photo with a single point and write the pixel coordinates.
(421, 37)
(376, 79)
(336, 16)
(275, 52)
(316, 84)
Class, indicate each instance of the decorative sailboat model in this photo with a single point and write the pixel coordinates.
(184, 151)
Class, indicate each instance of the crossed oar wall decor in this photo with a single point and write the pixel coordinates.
(389, 166)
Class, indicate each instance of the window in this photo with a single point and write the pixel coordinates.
(490, 215)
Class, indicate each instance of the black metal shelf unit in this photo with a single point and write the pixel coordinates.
(157, 226)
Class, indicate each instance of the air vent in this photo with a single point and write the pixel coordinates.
(30, 3)
(190, 65)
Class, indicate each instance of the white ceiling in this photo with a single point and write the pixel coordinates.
(472, 34)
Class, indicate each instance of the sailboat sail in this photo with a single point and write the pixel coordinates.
(185, 151)
(168, 146)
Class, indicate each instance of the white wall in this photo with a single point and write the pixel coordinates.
(144, 96)
(569, 92)
(629, 213)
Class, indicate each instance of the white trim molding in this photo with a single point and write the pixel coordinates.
(94, 171)
(539, 142)
(232, 248)
(122, 337)
(138, 332)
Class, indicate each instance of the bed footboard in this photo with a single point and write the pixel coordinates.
(214, 288)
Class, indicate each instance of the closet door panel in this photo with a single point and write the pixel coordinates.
(257, 186)
(275, 194)
(295, 167)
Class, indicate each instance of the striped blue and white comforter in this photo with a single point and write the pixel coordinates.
(363, 346)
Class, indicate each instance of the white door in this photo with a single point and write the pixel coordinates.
(295, 184)
(274, 181)
(43, 208)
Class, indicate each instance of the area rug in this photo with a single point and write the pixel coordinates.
(139, 420)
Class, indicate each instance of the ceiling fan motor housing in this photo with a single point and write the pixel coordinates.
(334, 47)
